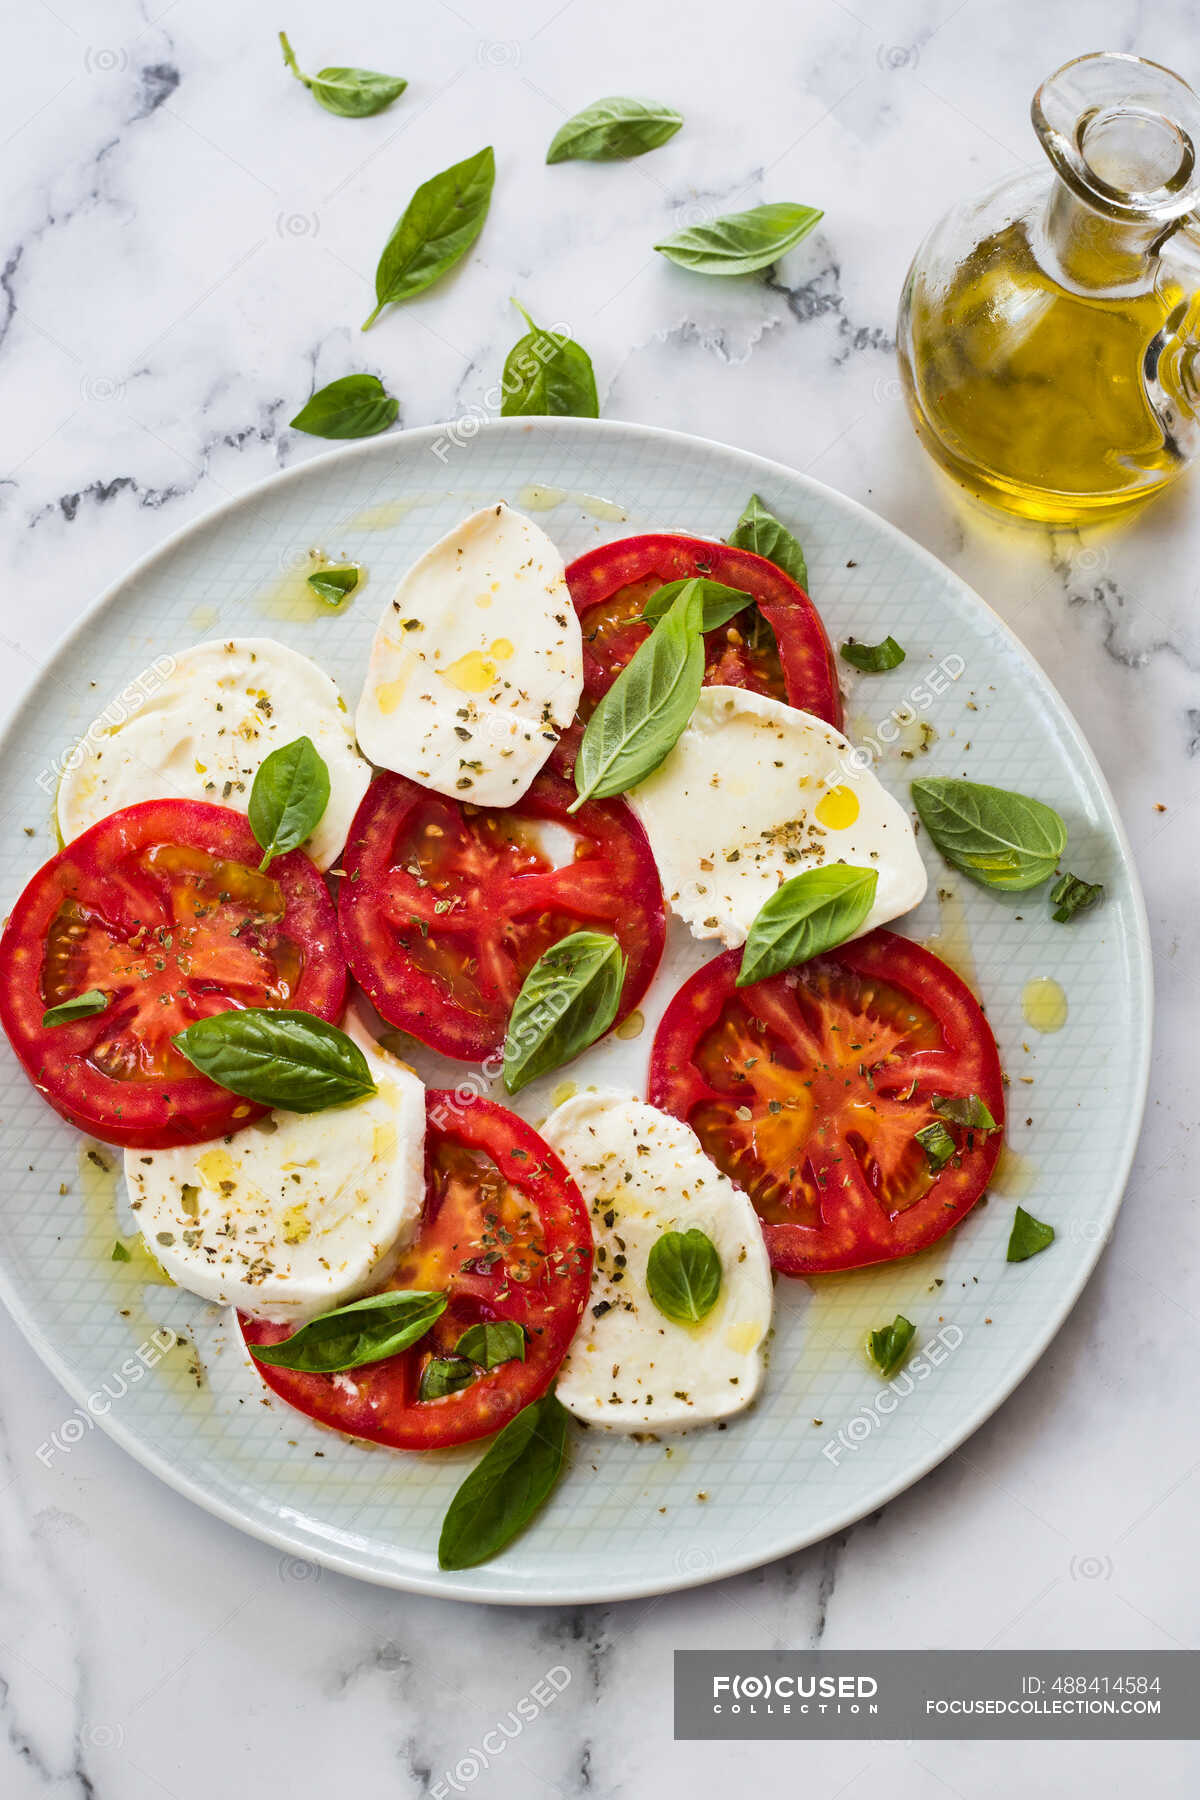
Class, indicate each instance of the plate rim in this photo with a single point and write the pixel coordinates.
(480, 1592)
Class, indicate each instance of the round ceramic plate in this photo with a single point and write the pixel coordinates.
(828, 1441)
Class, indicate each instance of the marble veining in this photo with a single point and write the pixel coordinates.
(186, 250)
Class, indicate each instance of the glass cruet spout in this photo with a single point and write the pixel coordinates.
(1049, 330)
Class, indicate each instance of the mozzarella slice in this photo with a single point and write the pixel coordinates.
(297, 1214)
(477, 664)
(755, 792)
(198, 726)
(630, 1367)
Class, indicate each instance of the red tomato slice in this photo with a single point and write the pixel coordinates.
(792, 660)
(807, 1090)
(506, 1234)
(446, 907)
(162, 907)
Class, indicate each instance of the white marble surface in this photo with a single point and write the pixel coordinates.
(186, 243)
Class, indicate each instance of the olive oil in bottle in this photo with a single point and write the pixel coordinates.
(1048, 333)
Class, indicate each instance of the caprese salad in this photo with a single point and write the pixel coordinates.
(543, 763)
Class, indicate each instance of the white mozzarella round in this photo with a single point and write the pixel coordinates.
(756, 791)
(297, 1214)
(201, 728)
(630, 1367)
(477, 664)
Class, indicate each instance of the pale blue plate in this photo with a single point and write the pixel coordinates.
(828, 1441)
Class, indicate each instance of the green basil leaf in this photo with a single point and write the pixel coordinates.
(355, 93)
(718, 603)
(278, 1057)
(613, 129)
(493, 1342)
(502, 1493)
(332, 585)
(547, 376)
(445, 1375)
(568, 999)
(683, 1275)
(889, 1346)
(937, 1144)
(354, 406)
(1000, 839)
(120, 1253)
(740, 243)
(1028, 1237)
(967, 1110)
(639, 719)
(289, 797)
(365, 1331)
(760, 531)
(872, 659)
(82, 1006)
(351, 93)
(439, 225)
(808, 914)
(1072, 895)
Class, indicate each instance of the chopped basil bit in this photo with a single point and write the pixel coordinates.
(332, 585)
(889, 1346)
(445, 1375)
(83, 1006)
(1071, 895)
(964, 1109)
(872, 659)
(1028, 1236)
(937, 1144)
